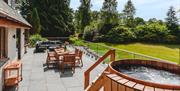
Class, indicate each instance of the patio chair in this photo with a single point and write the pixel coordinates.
(68, 59)
(79, 58)
(51, 59)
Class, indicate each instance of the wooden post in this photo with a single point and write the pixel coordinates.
(86, 80)
(112, 55)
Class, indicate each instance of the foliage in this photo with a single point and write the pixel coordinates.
(55, 16)
(90, 31)
(139, 21)
(171, 39)
(34, 38)
(35, 21)
(95, 15)
(152, 32)
(84, 14)
(129, 12)
(109, 12)
(172, 21)
(120, 34)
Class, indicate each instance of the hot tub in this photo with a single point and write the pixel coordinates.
(144, 75)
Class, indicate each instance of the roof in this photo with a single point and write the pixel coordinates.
(11, 14)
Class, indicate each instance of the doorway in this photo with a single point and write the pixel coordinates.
(18, 42)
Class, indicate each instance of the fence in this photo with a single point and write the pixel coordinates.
(100, 50)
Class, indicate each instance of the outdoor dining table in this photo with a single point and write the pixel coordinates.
(61, 52)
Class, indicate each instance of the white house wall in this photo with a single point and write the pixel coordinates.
(12, 50)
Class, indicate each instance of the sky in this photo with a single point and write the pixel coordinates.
(144, 8)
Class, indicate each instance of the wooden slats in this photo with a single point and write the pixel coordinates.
(107, 85)
(147, 88)
(139, 87)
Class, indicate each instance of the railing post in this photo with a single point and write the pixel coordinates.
(86, 80)
(112, 55)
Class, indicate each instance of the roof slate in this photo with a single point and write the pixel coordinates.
(11, 14)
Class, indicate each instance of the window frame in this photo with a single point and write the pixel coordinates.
(3, 43)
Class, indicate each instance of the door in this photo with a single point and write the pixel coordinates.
(18, 42)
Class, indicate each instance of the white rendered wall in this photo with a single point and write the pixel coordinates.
(12, 50)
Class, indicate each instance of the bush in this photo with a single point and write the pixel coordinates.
(90, 31)
(152, 32)
(120, 34)
(34, 38)
(171, 39)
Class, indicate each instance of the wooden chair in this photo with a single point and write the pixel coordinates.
(12, 74)
(68, 59)
(51, 59)
(79, 58)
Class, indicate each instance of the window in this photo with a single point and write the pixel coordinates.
(3, 43)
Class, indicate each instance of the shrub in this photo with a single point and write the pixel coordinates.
(89, 31)
(152, 32)
(171, 39)
(34, 38)
(120, 34)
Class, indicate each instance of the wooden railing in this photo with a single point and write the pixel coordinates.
(110, 53)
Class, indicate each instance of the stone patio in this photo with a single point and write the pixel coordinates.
(36, 77)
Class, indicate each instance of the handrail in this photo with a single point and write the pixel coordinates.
(110, 53)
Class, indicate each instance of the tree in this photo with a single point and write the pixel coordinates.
(84, 14)
(172, 21)
(55, 16)
(109, 11)
(129, 12)
(35, 21)
(139, 21)
(76, 21)
(95, 15)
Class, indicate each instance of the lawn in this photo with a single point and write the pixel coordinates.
(162, 51)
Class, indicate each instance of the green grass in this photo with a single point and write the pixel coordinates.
(162, 51)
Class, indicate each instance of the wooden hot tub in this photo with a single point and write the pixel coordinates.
(118, 81)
